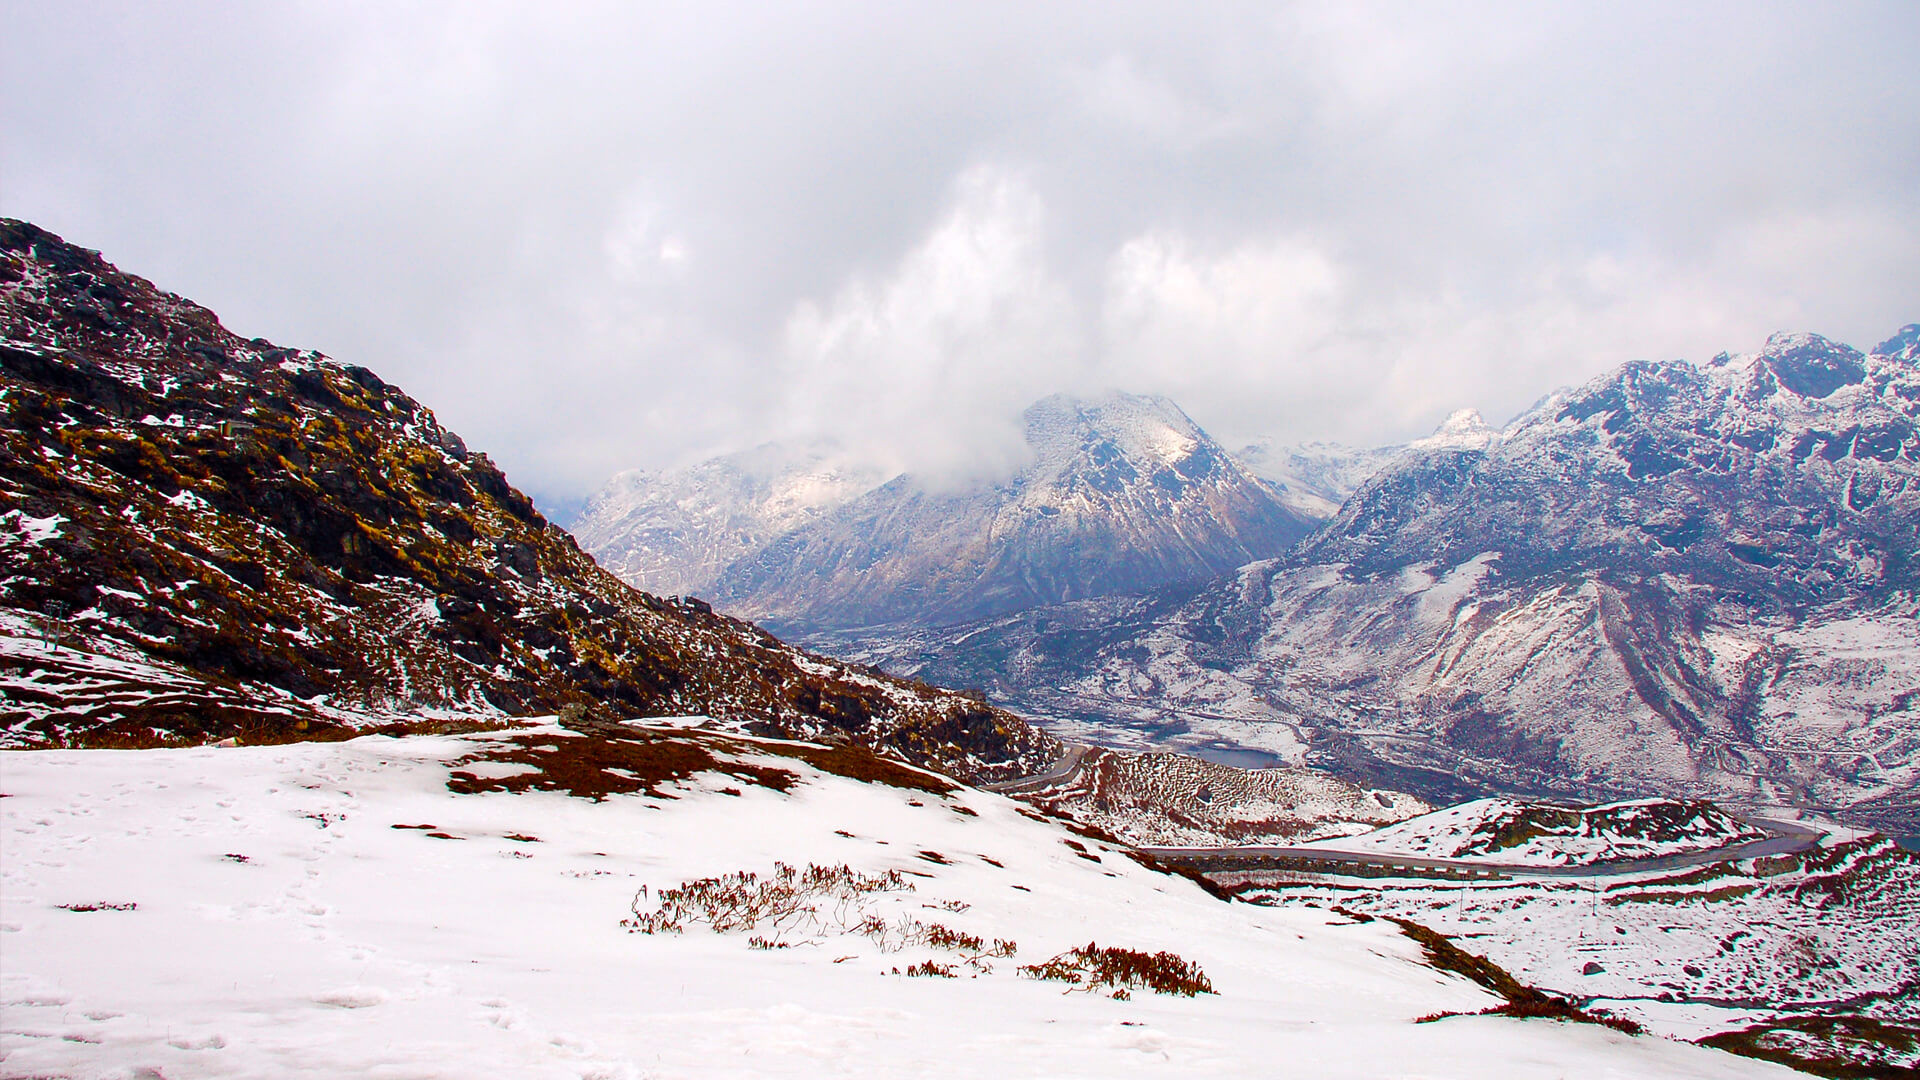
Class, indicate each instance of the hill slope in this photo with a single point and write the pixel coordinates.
(203, 535)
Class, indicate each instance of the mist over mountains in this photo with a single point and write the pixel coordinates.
(1120, 493)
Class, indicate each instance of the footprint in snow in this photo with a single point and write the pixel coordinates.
(353, 997)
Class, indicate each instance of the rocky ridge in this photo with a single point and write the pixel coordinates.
(206, 536)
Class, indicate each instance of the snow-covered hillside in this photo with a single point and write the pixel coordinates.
(1511, 833)
(444, 907)
(1123, 493)
(205, 536)
(675, 532)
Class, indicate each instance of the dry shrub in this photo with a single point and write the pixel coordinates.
(790, 901)
(1091, 967)
(793, 905)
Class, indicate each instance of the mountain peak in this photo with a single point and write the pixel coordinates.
(1140, 426)
(1905, 344)
(1463, 430)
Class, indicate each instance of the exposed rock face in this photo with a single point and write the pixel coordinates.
(235, 538)
(1124, 494)
(1673, 580)
(677, 532)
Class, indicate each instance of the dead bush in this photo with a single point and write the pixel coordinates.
(790, 901)
(1091, 967)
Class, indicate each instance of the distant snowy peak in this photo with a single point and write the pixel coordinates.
(674, 532)
(1139, 427)
(1315, 478)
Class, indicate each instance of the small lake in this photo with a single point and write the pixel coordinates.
(1911, 843)
(1239, 757)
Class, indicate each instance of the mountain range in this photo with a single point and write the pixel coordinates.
(1121, 493)
(1675, 579)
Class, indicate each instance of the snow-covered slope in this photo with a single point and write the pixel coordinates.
(378, 907)
(1537, 834)
(1123, 494)
(1675, 580)
(675, 532)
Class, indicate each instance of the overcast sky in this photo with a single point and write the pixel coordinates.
(615, 237)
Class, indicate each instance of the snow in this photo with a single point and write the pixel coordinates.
(1509, 833)
(1688, 952)
(33, 530)
(277, 910)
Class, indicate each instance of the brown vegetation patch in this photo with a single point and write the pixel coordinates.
(860, 763)
(1842, 1047)
(596, 766)
(928, 969)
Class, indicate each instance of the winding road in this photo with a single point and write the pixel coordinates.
(1785, 838)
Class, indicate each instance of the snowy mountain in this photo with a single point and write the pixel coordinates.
(676, 532)
(207, 537)
(676, 903)
(1675, 580)
(1315, 478)
(1123, 494)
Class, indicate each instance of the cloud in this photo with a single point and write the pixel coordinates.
(928, 368)
(595, 236)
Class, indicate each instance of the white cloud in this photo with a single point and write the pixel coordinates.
(595, 236)
(928, 367)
